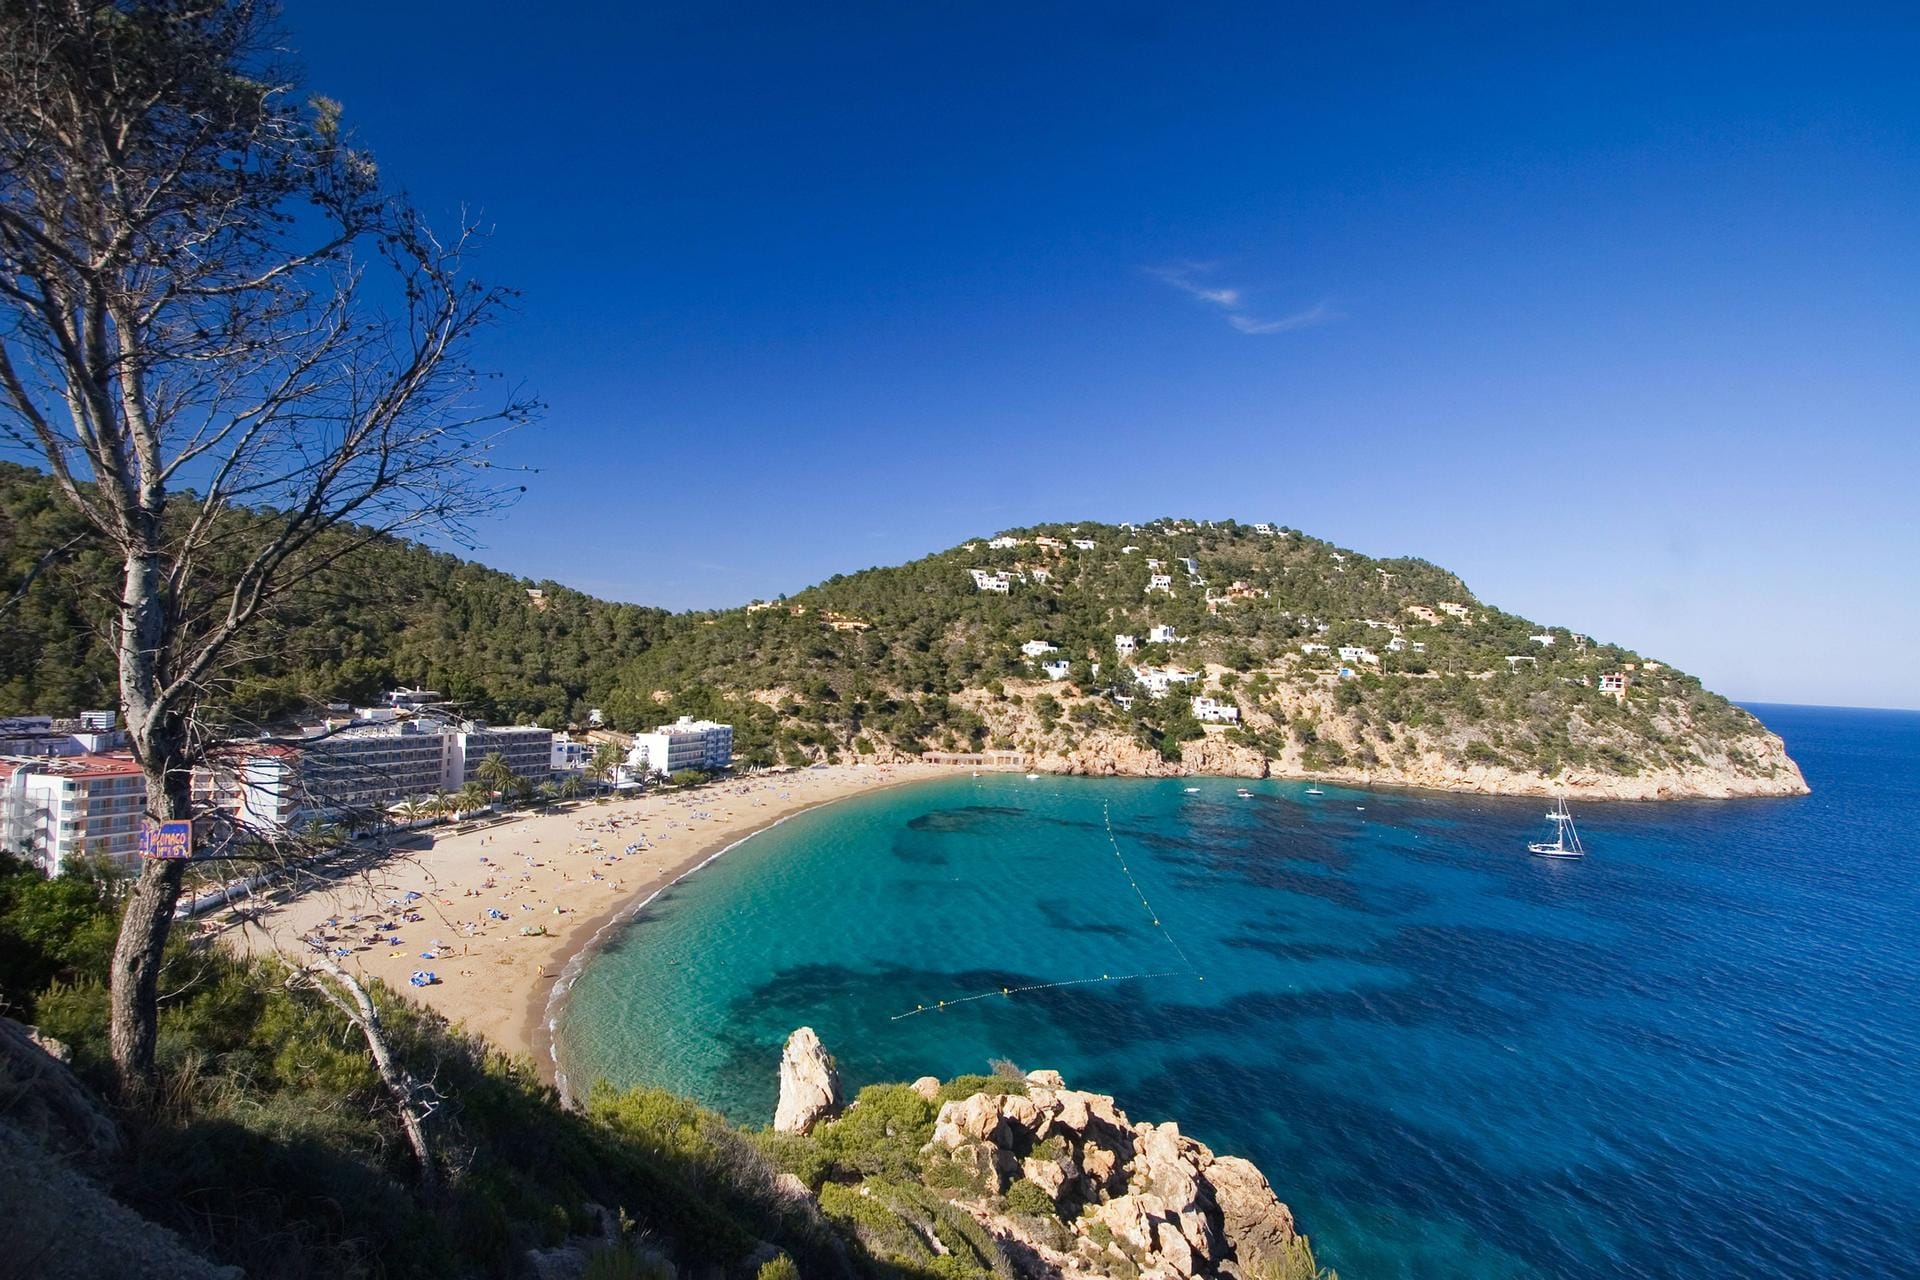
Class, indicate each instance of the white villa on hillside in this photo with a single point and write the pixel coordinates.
(1124, 645)
(1162, 634)
(1157, 680)
(1056, 670)
(1191, 565)
(999, 581)
(1084, 544)
(1160, 582)
(1515, 659)
(1312, 647)
(1038, 648)
(1358, 653)
(1041, 575)
(1264, 529)
(1544, 639)
(1209, 711)
(1457, 610)
(1003, 543)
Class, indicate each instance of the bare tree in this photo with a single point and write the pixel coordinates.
(209, 306)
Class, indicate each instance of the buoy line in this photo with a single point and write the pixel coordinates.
(1186, 969)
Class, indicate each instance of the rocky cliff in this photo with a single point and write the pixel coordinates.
(1269, 743)
(1022, 1176)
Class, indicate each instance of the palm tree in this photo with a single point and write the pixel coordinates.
(443, 804)
(571, 787)
(606, 762)
(473, 797)
(548, 793)
(415, 808)
(496, 773)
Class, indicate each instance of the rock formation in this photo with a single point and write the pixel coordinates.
(1129, 1196)
(809, 1083)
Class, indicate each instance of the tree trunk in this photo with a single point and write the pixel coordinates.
(399, 1082)
(158, 738)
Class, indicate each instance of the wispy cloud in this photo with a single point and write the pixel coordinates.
(1193, 279)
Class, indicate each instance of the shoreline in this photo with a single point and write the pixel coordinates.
(547, 1001)
(505, 912)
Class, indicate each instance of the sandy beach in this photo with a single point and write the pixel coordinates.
(496, 912)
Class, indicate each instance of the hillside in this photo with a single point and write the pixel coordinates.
(895, 661)
(400, 613)
(1451, 691)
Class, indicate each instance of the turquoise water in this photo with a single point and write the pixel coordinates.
(1690, 1055)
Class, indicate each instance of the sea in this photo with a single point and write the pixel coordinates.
(1693, 1053)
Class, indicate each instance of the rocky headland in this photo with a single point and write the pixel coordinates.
(1059, 1181)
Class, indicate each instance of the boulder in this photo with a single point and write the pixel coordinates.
(974, 1119)
(47, 1100)
(927, 1087)
(1252, 1217)
(1048, 1175)
(809, 1084)
(1130, 1220)
(1045, 1080)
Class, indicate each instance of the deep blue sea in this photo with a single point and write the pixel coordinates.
(1696, 1053)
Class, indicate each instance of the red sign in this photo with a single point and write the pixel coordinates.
(166, 840)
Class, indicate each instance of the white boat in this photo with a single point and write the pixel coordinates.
(1193, 791)
(1566, 837)
(1245, 794)
(1033, 777)
(1315, 791)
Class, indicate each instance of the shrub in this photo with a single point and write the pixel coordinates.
(1026, 1197)
(780, 1268)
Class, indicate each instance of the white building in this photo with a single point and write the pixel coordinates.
(92, 733)
(1160, 582)
(1210, 711)
(1191, 565)
(1003, 543)
(1124, 645)
(1162, 634)
(56, 809)
(685, 744)
(1310, 648)
(1544, 639)
(1157, 680)
(1154, 566)
(1041, 575)
(1084, 544)
(1264, 529)
(1038, 648)
(1358, 653)
(1056, 670)
(570, 755)
(1454, 609)
(999, 581)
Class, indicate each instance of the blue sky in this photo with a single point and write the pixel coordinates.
(1615, 312)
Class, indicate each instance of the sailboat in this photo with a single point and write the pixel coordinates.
(1315, 791)
(1566, 838)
